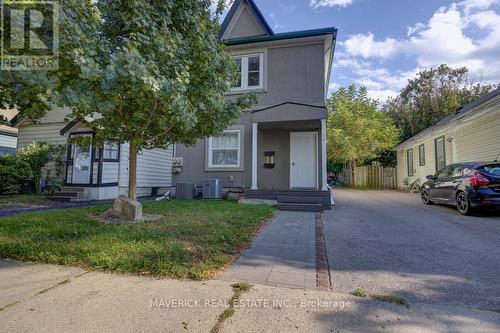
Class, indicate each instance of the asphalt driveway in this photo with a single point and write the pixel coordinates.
(389, 243)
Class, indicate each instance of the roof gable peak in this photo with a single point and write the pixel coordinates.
(244, 19)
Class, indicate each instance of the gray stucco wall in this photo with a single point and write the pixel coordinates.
(194, 169)
(295, 74)
(292, 74)
(269, 139)
(278, 140)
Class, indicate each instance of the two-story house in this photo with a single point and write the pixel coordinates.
(276, 150)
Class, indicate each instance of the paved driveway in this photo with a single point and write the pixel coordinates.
(389, 243)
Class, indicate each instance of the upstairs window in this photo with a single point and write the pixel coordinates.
(251, 74)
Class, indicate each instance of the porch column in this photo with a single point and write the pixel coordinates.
(254, 155)
(324, 177)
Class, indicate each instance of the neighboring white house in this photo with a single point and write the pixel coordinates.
(97, 173)
(8, 135)
(470, 134)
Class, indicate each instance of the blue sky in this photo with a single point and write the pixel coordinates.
(383, 43)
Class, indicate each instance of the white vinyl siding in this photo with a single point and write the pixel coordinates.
(42, 133)
(479, 140)
(48, 133)
(110, 172)
(8, 141)
(154, 167)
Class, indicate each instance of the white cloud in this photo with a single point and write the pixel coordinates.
(470, 5)
(417, 27)
(380, 81)
(381, 95)
(366, 46)
(444, 39)
(333, 86)
(330, 3)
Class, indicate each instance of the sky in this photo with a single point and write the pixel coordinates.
(383, 43)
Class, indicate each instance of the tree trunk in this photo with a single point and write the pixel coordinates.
(353, 179)
(132, 172)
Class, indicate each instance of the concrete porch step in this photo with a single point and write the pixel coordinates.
(62, 198)
(67, 194)
(73, 189)
(299, 199)
(300, 207)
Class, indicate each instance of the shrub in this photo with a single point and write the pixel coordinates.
(53, 185)
(12, 174)
(37, 156)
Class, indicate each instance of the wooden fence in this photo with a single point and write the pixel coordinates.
(370, 176)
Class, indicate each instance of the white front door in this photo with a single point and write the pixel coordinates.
(81, 164)
(303, 160)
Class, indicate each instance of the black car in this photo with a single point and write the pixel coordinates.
(469, 186)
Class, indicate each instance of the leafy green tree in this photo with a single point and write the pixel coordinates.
(150, 73)
(434, 94)
(37, 157)
(357, 130)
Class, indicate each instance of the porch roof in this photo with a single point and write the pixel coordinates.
(289, 111)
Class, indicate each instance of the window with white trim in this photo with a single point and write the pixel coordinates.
(440, 153)
(111, 150)
(409, 162)
(251, 72)
(224, 150)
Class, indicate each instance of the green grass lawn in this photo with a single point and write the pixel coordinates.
(193, 239)
(22, 199)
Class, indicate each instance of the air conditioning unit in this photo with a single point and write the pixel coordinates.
(184, 191)
(212, 189)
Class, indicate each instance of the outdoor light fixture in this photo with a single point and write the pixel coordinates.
(269, 159)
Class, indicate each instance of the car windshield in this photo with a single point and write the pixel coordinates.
(492, 169)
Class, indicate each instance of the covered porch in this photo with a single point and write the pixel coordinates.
(289, 155)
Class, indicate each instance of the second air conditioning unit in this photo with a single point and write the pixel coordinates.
(212, 189)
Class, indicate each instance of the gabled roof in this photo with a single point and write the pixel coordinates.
(234, 8)
(468, 109)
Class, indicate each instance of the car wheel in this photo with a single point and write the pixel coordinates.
(463, 204)
(426, 199)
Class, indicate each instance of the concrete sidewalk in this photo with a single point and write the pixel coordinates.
(283, 254)
(47, 298)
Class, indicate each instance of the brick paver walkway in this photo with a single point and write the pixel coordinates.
(283, 254)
